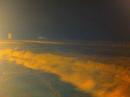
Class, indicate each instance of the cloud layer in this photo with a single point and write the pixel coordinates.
(101, 79)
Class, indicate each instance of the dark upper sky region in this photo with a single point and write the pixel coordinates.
(66, 19)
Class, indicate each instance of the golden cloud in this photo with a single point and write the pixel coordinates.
(101, 79)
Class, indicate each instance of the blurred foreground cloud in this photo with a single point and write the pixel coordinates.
(101, 79)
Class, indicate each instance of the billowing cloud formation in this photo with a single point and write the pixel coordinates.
(101, 79)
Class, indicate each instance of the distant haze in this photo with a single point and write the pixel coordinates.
(65, 19)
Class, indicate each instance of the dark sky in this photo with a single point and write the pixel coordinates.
(66, 19)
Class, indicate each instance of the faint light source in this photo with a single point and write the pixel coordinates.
(10, 36)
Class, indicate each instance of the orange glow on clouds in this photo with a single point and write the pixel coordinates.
(109, 79)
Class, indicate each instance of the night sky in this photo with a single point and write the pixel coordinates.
(66, 19)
